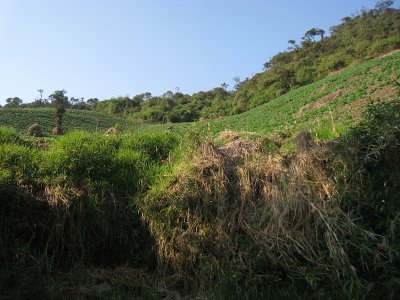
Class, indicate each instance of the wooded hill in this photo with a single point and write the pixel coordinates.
(361, 37)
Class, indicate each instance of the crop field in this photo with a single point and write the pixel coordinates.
(328, 106)
(21, 118)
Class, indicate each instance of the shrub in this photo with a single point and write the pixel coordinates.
(22, 162)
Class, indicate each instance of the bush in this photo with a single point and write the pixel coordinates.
(21, 162)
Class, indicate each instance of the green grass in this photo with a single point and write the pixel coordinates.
(350, 90)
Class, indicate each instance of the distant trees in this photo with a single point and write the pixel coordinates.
(292, 44)
(13, 102)
(92, 103)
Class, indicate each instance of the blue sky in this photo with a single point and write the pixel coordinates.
(106, 48)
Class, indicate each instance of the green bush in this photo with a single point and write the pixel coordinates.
(385, 45)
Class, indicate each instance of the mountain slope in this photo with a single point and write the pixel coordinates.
(334, 102)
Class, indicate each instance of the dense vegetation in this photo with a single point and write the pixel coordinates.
(227, 217)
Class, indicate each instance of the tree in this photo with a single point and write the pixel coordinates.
(292, 44)
(13, 102)
(312, 33)
(238, 82)
(92, 102)
(41, 93)
(59, 101)
(168, 94)
(224, 86)
(321, 33)
(383, 5)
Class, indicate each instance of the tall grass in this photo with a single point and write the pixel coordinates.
(73, 204)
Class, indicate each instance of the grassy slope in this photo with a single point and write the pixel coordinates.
(334, 102)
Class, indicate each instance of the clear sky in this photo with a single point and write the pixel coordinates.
(106, 48)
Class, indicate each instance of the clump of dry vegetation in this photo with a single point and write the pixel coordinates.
(113, 131)
(35, 130)
(243, 216)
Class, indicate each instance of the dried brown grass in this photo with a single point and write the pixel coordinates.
(285, 207)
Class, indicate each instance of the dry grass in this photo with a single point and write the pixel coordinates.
(286, 206)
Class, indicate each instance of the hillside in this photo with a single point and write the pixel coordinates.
(334, 103)
(358, 38)
(328, 106)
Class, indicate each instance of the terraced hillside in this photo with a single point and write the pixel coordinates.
(328, 106)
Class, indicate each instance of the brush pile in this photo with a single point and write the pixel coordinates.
(243, 216)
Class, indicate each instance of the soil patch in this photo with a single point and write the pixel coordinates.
(324, 100)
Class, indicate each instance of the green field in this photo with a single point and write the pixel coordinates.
(22, 118)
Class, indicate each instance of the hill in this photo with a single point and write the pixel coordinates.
(328, 106)
(358, 38)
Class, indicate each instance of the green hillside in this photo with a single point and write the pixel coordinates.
(358, 38)
(333, 103)
(328, 106)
